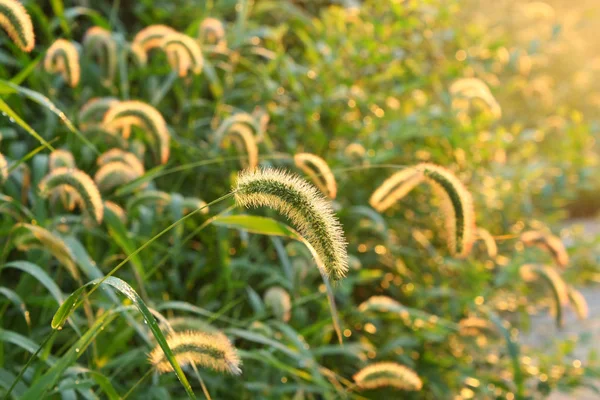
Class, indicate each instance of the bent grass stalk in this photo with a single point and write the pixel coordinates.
(62, 57)
(17, 23)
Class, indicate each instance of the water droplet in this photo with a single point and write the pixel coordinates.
(77, 350)
(145, 321)
(11, 119)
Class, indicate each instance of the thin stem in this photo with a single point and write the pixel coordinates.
(204, 388)
(147, 374)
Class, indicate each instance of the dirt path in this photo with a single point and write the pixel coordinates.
(544, 331)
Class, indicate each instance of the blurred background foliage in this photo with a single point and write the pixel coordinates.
(365, 85)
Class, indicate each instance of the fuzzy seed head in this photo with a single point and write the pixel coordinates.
(61, 158)
(123, 156)
(355, 150)
(473, 88)
(578, 303)
(381, 304)
(457, 206)
(239, 118)
(548, 242)
(488, 239)
(318, 171)
(3, 169)
(183, 53)
(82, 185)
(208, 350)
(191, 204)
(278, 300)
(117, 210)
(49, 241)
(94, 109)
(17, 23)
(533, 272)
(114, 174)
(473, 326)
(153, 198)
(151, 36)
(244, 139)
(99, 42)
(306, 209)
(132, 112)
(212, 32)
(388, 374)
(395, 188)
(62, 57)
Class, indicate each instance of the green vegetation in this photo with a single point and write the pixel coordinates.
(280, 199)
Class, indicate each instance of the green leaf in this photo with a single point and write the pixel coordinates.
(70, 305)
(11, 114)
(39, 274)
(17, 301)
(44, 101)
(256, 224)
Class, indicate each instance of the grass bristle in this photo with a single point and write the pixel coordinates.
(457, 206)
(151, 36)
(305, 206)
(212, 32)
(549, 242)
(278, 300)
(395, 188)
(62, 57)
(99, 42)
(384, 374)
(82, 185)
(136, 113)
(183, 53)
(17, 23)
(318, 171)
(207, 350)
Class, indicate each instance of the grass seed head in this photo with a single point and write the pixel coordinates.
(306, 208)
(318, 171)
(395, 188)
(457, 206)
(114, 174)
(61, 158)
(208, 350)
(488, 240)
(132, 112)
(243, 137)
(384, 374)
(548, 242)
(17, 23)
(3, 169)
(278, 300)
(183, 53)
(62, 57)
(82, 185)
(212, 32)
(151, 37)
(100, 42)
(123, 156)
